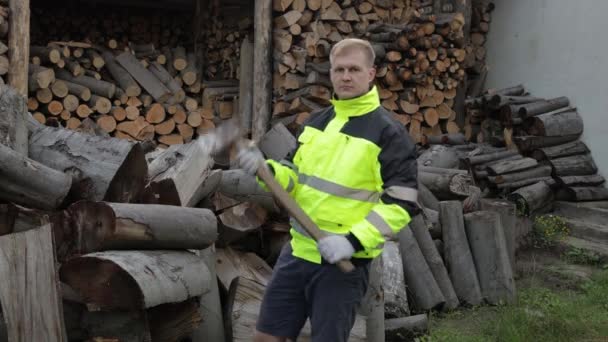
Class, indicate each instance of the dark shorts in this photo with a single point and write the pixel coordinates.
(300, 289)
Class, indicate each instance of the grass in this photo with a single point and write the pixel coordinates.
(541, 314)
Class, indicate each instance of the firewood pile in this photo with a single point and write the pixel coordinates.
(420, 55)
(139, 77)
(4, 62)
(475, 62)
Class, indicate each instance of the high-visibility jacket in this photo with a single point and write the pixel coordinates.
(354, 173)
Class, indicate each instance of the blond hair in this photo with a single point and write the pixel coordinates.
(353, 43)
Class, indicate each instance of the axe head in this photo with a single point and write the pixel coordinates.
(221, 137)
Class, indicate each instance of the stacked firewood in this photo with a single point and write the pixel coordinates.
(124, 262)
(137, 81)
(543, 158)
(419, 58)
(475, 62)
(4, 62)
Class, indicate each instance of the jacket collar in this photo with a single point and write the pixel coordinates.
(357, 106)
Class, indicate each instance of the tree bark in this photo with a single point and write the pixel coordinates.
(18, 44)
(592, 180)
(553, 125)
(30, 183)
(27, 269)
(489, 248)
(392, 281)
(246, 88)
(143, 76)
(13, 118)
(373, 304)
(212, 327)
(419, 227)
(427, 198)
(559, 151)
(459, 260)
(506, 210)
(126, 82)
(531, 142)
(446, 186)
(582, 193)
(406, 328)
(490, 157)
(539, 107)
(262, 68)
(101, 168)
(509, 166)
(539, 171)
(174, 321)
(531, 198)
(176, 176)
(425, 292)
(99, 87)
(141, 279)
(578, 165)
(127, 326)
(100, 226)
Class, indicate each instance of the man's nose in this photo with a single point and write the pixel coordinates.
(346, 76)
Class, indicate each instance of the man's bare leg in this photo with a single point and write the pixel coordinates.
(262, 337)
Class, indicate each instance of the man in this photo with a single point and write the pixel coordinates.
(354, 173)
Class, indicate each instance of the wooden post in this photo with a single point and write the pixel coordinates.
(246, 85)
(373, 303)
(262, 68)
(212, 327)
(19, 44)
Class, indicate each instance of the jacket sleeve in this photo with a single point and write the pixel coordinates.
(399, 199)
(285, 172)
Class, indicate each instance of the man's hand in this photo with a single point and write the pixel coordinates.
(250, 158)
(334, 248)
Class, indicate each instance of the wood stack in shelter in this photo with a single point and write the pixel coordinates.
(138, 77)
(419, 56)
(4, 27)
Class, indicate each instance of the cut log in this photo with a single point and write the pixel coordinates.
(18, 41)
(582, 193)
(143, 76)
(490, 157)
(13, 118)
(446, 139)
(489, 248)
(532, 198)
(427, 198)
(459, 260)
(100, 104)
(529, 143)
(175, 321)
(552, 125)
(99, 87)
(406, 328)
(507, 213)
(539, 171)
(262, 68)
(232, 264)
(421, 230)
(165, 77)
(511, 186)
(128, 326)
(560, 151)
(212, 327)
(27, 268)
(536, 108)
(40, 77)
(424, 290)
(141, 279)
(27, 182)
(246, 85)
(446, 186)
(578, 165)
(592, 180)
(508, 166)
(395, 296)
(177, 174)
(372, 305)
(497, 101)
(81, 91)
(101, 168)
(126, 82)
(237, 218)
(241, 186)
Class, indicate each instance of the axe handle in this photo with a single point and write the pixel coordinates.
(296, 212)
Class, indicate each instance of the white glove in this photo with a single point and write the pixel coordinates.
(334, 248)
(250, 158)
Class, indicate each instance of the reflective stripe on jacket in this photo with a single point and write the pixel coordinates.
(353, 171)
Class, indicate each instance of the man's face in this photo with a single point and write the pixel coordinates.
(351, 74)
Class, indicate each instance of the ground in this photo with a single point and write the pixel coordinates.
(560, 299)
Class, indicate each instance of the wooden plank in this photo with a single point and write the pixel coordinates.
(29, 293)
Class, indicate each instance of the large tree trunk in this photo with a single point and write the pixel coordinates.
(177, 175)
(487, 240)
(140, 279)
(507, 213)
(395, 296)
(425, 292)
(101, 168)
(100, 226)
(31, 303)
(421, 232)
(532, 198)
(459, 260)
(30, 183)
(13, 119)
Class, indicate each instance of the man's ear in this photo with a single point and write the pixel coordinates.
(372, 74)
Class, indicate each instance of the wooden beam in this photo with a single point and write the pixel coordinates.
(262, 68)
(18, 44)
